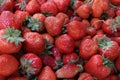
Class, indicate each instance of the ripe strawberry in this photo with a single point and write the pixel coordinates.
(111, 77)
(118, 11)
(2, 77)
(116, 39)
(85, 76)
(88, 48)
(91, 31)
(68, 68)
(34, 42)
(65, 43)
(41, 2)
(30, 64)
(18, 78)
(47, 74)
(51, 10)
(8, 65)
(10, 41)
(70, 58)
(6, 5)
(7, 19)
(115, 2)
(117, 63)
(33, 7)
(86, 22)
(54, 25)
(75, 4)
(76, 30)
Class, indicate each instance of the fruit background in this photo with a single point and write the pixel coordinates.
(59, 39)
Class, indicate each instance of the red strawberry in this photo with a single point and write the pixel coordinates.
(91, 31)
(111, 77)
(68, 68)
(88, 48)
(115, 2)
(47, 74)
(41, 2)
(8, 65)
(86, 22)
(51, 10)
(85, 76)
(33, 7)
(2, 77)
(10, 41)
(117, 63)
(76, 29)
(70, 58)
(54, 25)
(65, 43)
(31, 64)
(34, 42)
(18, 78)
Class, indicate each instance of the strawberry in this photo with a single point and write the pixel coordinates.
(30, 64)
(86, 22)
(76, 30)
(51, 10)
(18, 78)
(33, 7)
(8, 65)
(10, 41)
(68, 68)
(47, 74)
(91, 31)
(115, 2)
(41, 2)
(117, 62)
(85, 76)
(34, 42)
(54, 25)
(65, 44)
(2, 77)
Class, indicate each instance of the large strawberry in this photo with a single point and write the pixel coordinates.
(10, 41)
(8, 65)
(30, 64)
(34, 42)
(54, 25)
(47, 74)
(76, 29)
(65, 43)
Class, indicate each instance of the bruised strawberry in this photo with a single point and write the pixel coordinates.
(85, 76)
(54, 25)
(30, 64)
(117, 63)
(88, 48)
(7, 19)
(73, 69)
(10, 41)
(8, 65)
(70, 58)
(6, 5)
(47, 74)
(76, 30)
(34, 42)
(33, 7)
(51, 10)
(18, 78)
(65, 43)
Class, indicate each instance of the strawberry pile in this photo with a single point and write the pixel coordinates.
(59, 39)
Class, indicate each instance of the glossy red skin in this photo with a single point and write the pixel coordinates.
(35, 64)
(65, 44)
(41, 2)
(25, 30)
(54, 25)
(20, 16)
(109, 53)
(117, 63)
(48, 38)
(115, 2)
(68, 58)
(33, 7)
(111, 77)
(91, 31)
(7, 47)
(97, 68)
(85, 76)
(117, 39)
(77, 4)
(62, 5)
(73, 69)
(48, 61)
(84, 11)
(86, 22)
(34, 42)
(56, 53)
(47, 74)
(96, 23)
(64, 17)
(8, 6)
(76, 18)
(7, 18)
(88, 48)
(52, 9)
(76, 30)
(18, 78)
(8, 65)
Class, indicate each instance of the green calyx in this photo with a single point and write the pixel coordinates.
(118, 20)
(13, 35)
(33, 24)
(108, 63)
(104, 43)
(2, 2)
(46, 13)
(22, 5)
